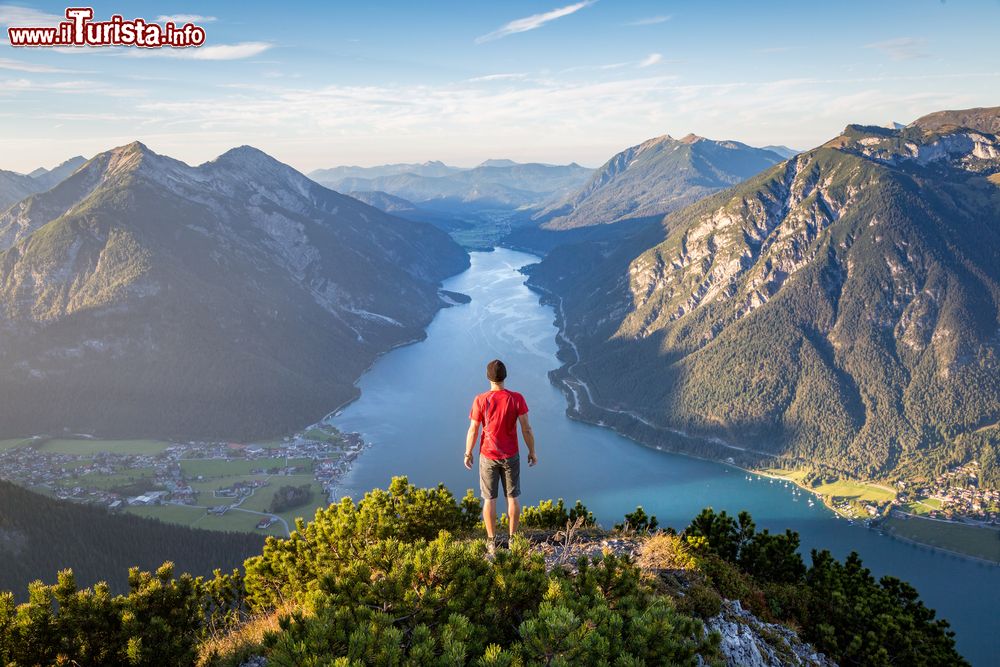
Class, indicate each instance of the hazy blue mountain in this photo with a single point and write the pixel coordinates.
(404, 208)
(47, 178)
(384, 201)
(14, 187)
(494, 184)
(498, 162)
(840, 309)
(336, 174)
(235, 299)
(783, 151)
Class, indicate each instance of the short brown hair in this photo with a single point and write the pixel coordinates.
(496, 371)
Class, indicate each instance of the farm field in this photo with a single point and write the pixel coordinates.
(185, 516)
(975, 541)
(117, 480)
(236, 519)
(214, 468)
(14, 442)
(924, 506)
(85, 447)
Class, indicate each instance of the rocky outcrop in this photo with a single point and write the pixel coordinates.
(749, 642)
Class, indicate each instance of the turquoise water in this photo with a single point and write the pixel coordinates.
(414, 410)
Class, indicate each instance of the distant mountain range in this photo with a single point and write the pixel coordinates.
(840, 309)
(15, 187)
(433, 185)
(431, 169)
(236, 299)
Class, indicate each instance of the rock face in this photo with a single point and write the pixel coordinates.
(749, 642)
(235, 299)
(842, 307)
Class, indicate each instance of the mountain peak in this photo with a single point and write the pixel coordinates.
(691, 138)
(248, 156)
(133, 147)
(245, 151)
(127, 157)
(501, 162)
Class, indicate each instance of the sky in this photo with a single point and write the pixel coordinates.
(324, 84)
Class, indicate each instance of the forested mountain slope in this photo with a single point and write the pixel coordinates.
(236, 299)
(842, 308)
(40, 536)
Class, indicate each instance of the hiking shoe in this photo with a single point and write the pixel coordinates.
(491, 546)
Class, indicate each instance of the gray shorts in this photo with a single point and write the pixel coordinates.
(504, 471)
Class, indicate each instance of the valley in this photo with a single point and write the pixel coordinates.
(808, 324)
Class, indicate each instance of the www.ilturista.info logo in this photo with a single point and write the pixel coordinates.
(81, 30)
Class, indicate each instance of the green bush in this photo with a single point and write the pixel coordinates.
(554, 516)
(394, 580)
(287, 568)
(159, 622)
(701, 601)
(638, 522)
(838, 606)
(442, 603)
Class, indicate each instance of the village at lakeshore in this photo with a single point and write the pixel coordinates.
(249, 487)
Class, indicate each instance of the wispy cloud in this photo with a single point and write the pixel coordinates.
(532, 22)
(17, 16)
(901, 48)
(12, 87)
(179, 19)
(651, 20)
(650, 60)
(34, 68)
(215, 52)
(500, 77)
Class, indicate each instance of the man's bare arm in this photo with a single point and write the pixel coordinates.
(470, 442)
(529, 438)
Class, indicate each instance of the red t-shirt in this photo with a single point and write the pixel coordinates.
(498, 411)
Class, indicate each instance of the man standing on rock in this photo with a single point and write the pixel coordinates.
(499, 411)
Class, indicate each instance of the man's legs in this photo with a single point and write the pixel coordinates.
(512, 489)
(489, 480)
(490, 516)
(514, 512)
